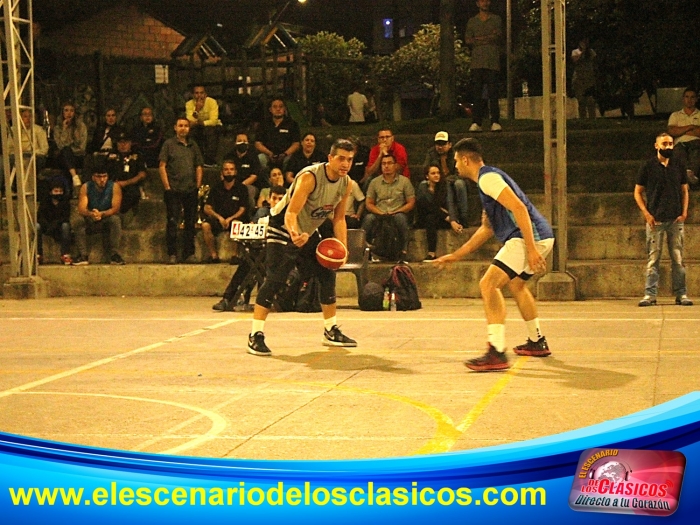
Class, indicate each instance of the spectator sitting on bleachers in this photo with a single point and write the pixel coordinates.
(203, 114)
(276, 179)
(359, 161)
(53, 218)
(128, 170)
(98, 206)
(441, 155)
(248, 167)
(278, 137)
(390, 195)
(302, 158)
(355, 207)
(684, 127)
(148, 138)
(386, 145)
(226, 202)
(70, 135)
(104, 139)
(40, 146)
(261, 215)
(431, 208)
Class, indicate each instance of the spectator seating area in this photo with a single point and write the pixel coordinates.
(606, 231)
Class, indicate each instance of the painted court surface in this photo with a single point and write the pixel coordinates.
(169, 375)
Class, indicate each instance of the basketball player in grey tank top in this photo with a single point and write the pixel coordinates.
(318, 192)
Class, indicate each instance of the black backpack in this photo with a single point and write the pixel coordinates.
(387, 241)
(402, 283)
(371, 297)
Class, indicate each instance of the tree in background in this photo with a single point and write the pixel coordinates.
(329, 82)
(641, 44)
(418, 62)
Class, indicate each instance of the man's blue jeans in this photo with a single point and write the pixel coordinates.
(674, 238)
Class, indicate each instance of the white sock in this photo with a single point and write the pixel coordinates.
(533, 329)
(258, 326)
(330, 322)
(497, 336)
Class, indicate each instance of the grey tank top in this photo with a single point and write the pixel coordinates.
(321, 202)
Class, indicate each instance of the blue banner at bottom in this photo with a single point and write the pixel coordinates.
(526, 482)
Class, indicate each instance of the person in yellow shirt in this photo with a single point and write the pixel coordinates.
(203, 113)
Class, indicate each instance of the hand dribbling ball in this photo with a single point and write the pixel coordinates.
(331, 253)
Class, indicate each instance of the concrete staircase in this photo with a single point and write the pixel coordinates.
(606, 232)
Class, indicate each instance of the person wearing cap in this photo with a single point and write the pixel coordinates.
(98, 206)
(441, 154)
(127, 169)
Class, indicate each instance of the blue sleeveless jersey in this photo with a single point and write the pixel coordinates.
(503, 221)
(97, 200)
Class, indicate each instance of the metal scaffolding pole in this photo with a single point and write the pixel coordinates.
(554, 126)
(17, 78)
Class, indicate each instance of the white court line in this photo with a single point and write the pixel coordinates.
(107, 360)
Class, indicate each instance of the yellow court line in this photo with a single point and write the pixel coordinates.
(107, 360)
(445, 431)
(435, 446)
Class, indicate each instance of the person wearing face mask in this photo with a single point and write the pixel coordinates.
(53, 218)
(247, 165)
(226, 202)
(661, 193)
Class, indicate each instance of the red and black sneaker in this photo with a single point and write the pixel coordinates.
(535, 349)
(491, 361)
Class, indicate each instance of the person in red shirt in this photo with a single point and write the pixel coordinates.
(386, 145)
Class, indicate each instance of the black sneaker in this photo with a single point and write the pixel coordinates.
(256, 344)
(223, 306)
(117, 259)
(535, 349)
(80, 261)
(491, 361)
(334, 337)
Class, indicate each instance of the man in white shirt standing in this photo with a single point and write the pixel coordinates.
(684, 127)
(357, 104)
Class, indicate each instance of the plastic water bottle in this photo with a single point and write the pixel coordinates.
(385, 301)
(526, 90)
(47, 124)
(393, 302)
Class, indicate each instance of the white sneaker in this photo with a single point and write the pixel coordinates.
(475, 127)
(496, 127)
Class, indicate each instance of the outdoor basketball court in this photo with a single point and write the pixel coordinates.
(169, 375)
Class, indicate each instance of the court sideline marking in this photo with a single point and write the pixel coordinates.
(107, 360)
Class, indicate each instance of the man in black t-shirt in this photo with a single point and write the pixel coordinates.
(227, 202)
(278, 137)
(661, 193)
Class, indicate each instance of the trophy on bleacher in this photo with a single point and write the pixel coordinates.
(201, 200)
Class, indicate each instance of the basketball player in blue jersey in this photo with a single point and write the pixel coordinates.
(527, 239)
(317, 193)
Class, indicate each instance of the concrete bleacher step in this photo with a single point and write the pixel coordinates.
(527, 146)
(595, 279)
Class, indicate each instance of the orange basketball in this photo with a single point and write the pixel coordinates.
(331, 253)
